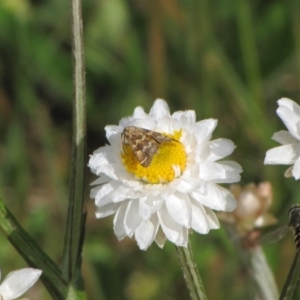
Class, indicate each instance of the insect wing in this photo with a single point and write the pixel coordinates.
(146, 154)
(275, 235)
(159, 138)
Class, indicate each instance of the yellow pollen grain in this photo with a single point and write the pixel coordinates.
(160, 170)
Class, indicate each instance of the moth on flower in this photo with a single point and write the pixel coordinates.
(160, 177)
(144, 142)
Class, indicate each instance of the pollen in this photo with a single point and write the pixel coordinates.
(170, 155)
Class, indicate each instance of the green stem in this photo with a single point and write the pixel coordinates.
(32, 253)
(76, 217)
(190, 272)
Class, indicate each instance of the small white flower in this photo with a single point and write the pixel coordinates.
(177, 191)
(16, 283)
(289, 153)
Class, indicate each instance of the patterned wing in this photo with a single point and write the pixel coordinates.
(159, 138)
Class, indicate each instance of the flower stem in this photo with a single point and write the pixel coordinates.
(74, 235)
(190, 272)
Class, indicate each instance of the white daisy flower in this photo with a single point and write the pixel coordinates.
(177, 190)
(16, 283)
(289, 153)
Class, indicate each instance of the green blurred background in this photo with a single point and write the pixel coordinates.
(229, 60)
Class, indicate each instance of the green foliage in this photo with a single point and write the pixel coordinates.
(226, 60)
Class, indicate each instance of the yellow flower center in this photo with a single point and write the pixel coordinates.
(167, 163)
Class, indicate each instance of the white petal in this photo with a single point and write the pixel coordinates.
(179, 208)
(204, 129)
(160, 238)
(183, 239)
(139, 113)
(232, 165)
(222, 172)
(220, 148)
(134, 120)
(202, 152)
(288, 173)
(120, 193)
(199, 220)
(149, 205)
(115, 148)
(146, 122)
(18, 282)
(296, 169)
(145, 211)
(282, 155)
(191, 172)
(95, 190)
(290, 104)
(216, 197)
(146, 232)
(284, 137)
(99, 158)
(160, 109)
(165, 125)
(125, 122)
(99, 192)
(212, 219)
(187, 117)
(187, 186)
(189, 180)
(100, 162)
(203, 218)
(190, 143)
(106, 210)
(106, 200)
(174, 232)
(100, 180)
(290, 119)
(132, 219)
(177, 170)
(113, 191)
(119, 226)
(113, 131)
